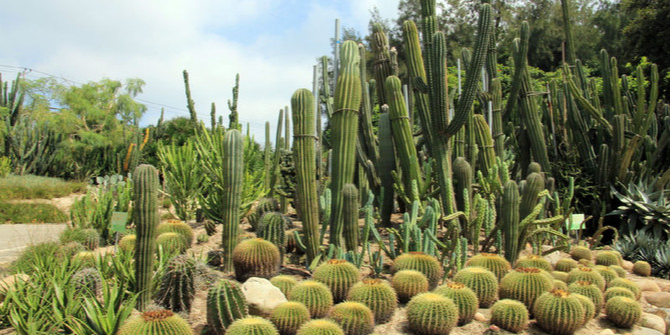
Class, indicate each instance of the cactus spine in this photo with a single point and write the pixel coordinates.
(289, 316)
(233, 172)
(431, 314)
(354, 318)
(252, 325)
(344, 123)
(350, 216)
(146, 218)
(378, 295)
(465, 300)
(623, 312)
(177, 288)
(225, 304)
(255, 258)
(339, 275)
(408, 283)
(525, 285)
(558, 312)
(156, 322)
(304, 151)
(510, 315)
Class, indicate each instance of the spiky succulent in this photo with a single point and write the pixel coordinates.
(354, 318)
(607, 258)
(315, 295)
(408, 283)
(90, 238)
(264, 205)
(252, 325)
(289, 316)
(225, 304)
(320, 327)
(560, 285)
(534, 261)
(642, 268)
(171, 243)
(587, 274)
(176, 226)
(558, 312)
(421, 262)
(378, 295)
(285, 283)
(525, 285)
(588, 305)
(559, 275)
(431, 314)
(629, 284)
(177, 288)
(464, 298)
(607, 273)
(565, 265)
(88, 281)
(619, 270)
(481, 281)
(127, 243)
(255, 257)
(623, 312)
(85, 258)
(510, 315)
(590, 291)
(579, 253)
(618, 291)
(156, 322)
(339, 275)
(492, 262)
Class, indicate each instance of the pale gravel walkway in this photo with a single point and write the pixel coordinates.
(16, 237)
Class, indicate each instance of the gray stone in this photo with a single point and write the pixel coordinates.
(262, 297)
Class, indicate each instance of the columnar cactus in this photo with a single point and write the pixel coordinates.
(590, 291)
(233, 173)
(534, 261)
(431, 314)
(408, 283)
(492, 262)
(421, 262)
(225, 304)
(558, 312)
(315, 295)
(304, 138)
(339, 275)
(355, 318)
(465, 300)
(378, 295)
(525, 285)
(284, 283)
(179, 227)
(483, 282)
(510, 315)
(255, 258)
(642, 268)
(510, 220)
(623, 312)
(350, 216)
(145, 212)
(320, 327)
(154, 323)
(252, 325)
(289, 316)
(177, 290)
(344, 127)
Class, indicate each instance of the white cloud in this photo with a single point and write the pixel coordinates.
(155, 40)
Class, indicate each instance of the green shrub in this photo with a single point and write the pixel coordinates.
(34, 256)
(36, 187)
(30, 213)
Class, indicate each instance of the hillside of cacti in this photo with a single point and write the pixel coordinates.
(400, 195)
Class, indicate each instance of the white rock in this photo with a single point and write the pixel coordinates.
(262, 297)
(480, 317)
(606, 332)
(646, 331)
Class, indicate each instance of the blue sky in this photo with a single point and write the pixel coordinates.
(273, 44)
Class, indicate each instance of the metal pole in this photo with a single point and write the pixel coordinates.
(336, 58)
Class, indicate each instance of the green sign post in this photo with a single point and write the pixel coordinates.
(119, 220)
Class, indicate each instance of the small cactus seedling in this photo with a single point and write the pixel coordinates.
(510, 315)
(339, 275)
(354, 318)
(315, 295)
(481, 281)
(255, 257)
(431, 314)
(289, 316)
(465, 300)
(408, 283)
(421, 262)
(623, 312)
(558, 312)
(156, 322)
(492, 262)
(378, 295)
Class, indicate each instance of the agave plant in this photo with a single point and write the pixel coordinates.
(648, 212)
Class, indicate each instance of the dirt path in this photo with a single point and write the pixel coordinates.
(16, 237)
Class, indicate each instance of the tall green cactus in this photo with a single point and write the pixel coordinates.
(386, 164)
(233, 173)
(302, 103)
(344, 125)
(145, 212)
(382, 65)
(350, 216)
(510, 220)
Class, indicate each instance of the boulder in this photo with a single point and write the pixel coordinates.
(645, 331)
(262, 297)
(648, 285)
(653, 321)
(480, 317)
(628, 266)
(658, 299)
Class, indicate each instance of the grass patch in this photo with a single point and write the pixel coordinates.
(30, 213)
(37, 187)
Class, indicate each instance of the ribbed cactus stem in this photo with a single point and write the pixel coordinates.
(386, 164)
(233, 173)
(344, 125)
(350, 216)
(304, 151)
(510, 220)
(146, 218)
(487, 155)
(382, 64)
(534, 185)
